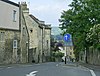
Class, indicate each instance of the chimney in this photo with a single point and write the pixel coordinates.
(24, 7)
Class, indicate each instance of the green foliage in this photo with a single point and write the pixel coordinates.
(93, 36)
(78, 20)
(58, 54)
(98, 47)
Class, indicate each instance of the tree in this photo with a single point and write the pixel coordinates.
(93, 36)
(78, 20)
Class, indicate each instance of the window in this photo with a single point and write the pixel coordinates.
(14, 15)
(31, 30)
(2, 36)
(15, 44)
(34, 50)
(47, 44)
(23, 31)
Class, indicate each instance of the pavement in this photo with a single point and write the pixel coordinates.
(93, 68)
(90, 66)
(14, 65)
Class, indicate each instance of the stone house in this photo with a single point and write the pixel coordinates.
(40, 40)
(9, 32)
(47, 42)
(13, 34)
(43, 39)
(32, 26)
(68, 53)
(36, 30)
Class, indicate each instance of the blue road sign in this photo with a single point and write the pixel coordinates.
(67, 37)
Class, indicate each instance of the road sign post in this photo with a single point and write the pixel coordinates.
(66, 39)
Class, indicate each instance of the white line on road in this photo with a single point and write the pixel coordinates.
(32, 73)
(9, 67)
(92, 72)
(36, 64)
(56, 64)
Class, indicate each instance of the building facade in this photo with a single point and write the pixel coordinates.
(23, 37)
(9, 32)
(68, 53)
(47, 42)
(36, 30)
(13, 34)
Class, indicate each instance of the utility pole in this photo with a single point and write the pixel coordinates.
(66, 54)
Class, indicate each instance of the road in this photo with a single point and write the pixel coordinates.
(46, 69)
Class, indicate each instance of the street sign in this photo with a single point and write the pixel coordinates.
(67, 37)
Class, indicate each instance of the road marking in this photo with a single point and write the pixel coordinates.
(27, 65)
(32, 73)
(92, 72)
(56, 64)
(37, 64)
(9, 67)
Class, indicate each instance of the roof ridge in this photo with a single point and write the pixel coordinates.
(10, 2)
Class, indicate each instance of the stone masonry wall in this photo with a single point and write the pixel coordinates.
(94, 56)
(7, 53)
(24, 40)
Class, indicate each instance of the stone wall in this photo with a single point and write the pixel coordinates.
(94, 56)
(24, 41)
(8, 54)
(47, 42)
(40, 44)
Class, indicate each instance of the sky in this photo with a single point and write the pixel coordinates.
(47, 10)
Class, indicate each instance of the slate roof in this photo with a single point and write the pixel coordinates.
(41, 23)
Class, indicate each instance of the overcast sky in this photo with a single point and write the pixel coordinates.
(47, 10)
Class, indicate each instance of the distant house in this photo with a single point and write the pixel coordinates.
(64, 47)
(13, 34)
(55, 30)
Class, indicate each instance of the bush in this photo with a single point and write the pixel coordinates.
(59, 54)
